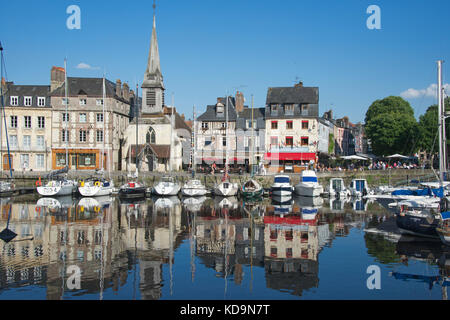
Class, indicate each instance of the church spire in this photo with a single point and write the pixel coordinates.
(153, 86)
(153, 76)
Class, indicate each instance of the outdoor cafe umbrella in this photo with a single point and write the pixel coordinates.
(354, 157)
(399, 156)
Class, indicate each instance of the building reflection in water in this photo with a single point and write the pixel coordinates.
(116, 243)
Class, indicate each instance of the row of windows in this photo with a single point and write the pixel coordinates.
(82, 135)
(289, 141)
(290, 124)
(27, 101)
(13, 142)
(288, 109)
(82, 117)
(82, 102)
(27, 122)
(25, 160)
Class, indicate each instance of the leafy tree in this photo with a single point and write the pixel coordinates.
(331, 144)
(428, 128)
(392, 133)
(389, 104)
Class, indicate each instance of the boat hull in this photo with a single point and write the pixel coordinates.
(417, 226)
(308, 191)
(253, 194)
(166, 191)
(444, 235)
(193, 192)
(55, 191)
(132, 192)
(281, 191)
(95, 191)
(232, 190)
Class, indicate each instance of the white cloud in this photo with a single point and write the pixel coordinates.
(86, 66)
(431, 91)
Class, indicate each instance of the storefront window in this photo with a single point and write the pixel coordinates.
(86, 160)
(60, 159)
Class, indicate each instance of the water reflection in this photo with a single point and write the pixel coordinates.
(136, 250)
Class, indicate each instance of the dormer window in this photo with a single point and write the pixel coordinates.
(83, 102)
(27, 101)
(99, 102)
(14, 100)
(289, 109)
(205, 125)
(41, 101)
(220, 110)
(274, 109)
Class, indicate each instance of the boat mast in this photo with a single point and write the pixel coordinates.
(171, 135)
(226, 136)
(3, 110)
(104, 127)
(137, 125)
(253, 145)
(194, 144)
(67, 113)
(441, 113)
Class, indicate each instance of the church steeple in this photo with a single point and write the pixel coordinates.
(153, 85)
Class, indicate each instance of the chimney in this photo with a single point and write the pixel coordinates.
(299, 85)
(119, 88)
(126, 91)
(239, 101)
(57, 75)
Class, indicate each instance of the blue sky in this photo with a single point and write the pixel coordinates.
(211, 47)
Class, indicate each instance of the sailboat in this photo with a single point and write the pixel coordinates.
(57, 182)
(251, 189)
(423, 219)
(133, 188)
(226, 188)
(99, 186)
(193, 187)
(6, 187)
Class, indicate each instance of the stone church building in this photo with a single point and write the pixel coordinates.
(163, 137)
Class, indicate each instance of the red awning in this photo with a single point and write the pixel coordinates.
(222, 159)
(288, 220)
(290, 156)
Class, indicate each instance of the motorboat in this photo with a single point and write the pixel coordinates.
(337, 188)
(167, 186)
(96, 187)
(132, 189)
(226, 188)
(359, 188)
(193, 188)
(252, 189)
(309, 184)
(281, 186)
(415, 217)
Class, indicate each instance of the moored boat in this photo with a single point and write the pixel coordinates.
(281, 186)
(193, 188)
(252, 189)
(309, 185)
(132, 189)
(167, 186)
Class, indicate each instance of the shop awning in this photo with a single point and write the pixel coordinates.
(296, 220)
(290, 156)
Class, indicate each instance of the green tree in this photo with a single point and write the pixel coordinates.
(331, 143)
(428, 128)
(391, 126)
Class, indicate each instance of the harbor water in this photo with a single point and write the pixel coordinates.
(213, 248)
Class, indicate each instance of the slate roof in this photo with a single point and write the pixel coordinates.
(92, 87)
(293, 95)
(247, 113)
(22, 91)
(211, 115)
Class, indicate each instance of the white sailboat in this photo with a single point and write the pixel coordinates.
(193, 187)
(309, 185)
(96, 187)
(58, 184)
(167, 186)
(226, 188)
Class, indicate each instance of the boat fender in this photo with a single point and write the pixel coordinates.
(97, 183)
(402, 209)
(38, 209)
(38, 183)
(97, 209)
(82, 183)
